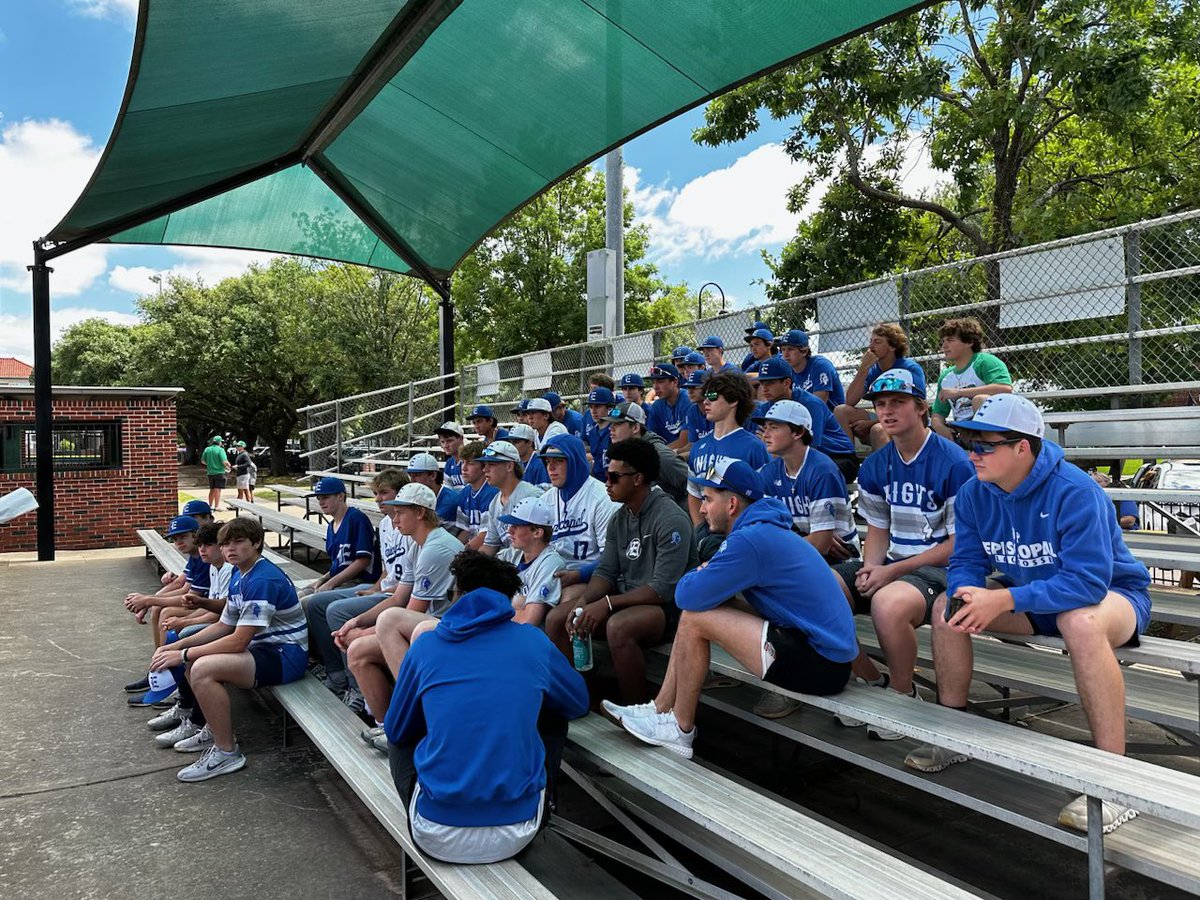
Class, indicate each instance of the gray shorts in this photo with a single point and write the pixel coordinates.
(929, 580)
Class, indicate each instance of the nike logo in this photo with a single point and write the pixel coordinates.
(1045, 515)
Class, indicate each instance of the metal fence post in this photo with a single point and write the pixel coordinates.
(1133, 303)
(408, 431)
(905, 302)
(337, 435)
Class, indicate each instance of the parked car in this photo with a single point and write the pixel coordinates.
(1173, 475)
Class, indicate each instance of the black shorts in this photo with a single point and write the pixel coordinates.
(929, 580)
(216, 481)
(847, 464)
(800, 668)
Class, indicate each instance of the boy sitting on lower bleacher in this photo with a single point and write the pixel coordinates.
(196, 610)
(1064, 569)
(530, 532)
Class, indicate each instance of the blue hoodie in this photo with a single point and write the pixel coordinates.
(470, 693)
(782, 576)
(1054, 538)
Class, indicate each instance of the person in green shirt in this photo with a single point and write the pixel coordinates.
(971, 376)
(216, 466)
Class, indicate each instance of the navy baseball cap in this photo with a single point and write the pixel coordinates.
(695, 358)
(757, 326)
(696, 379)
(732, 475)
(482, 412)
(601, 396)
(712, 342)
(680, 352)
(196, 508)
(522, 405)
(182, 525)
(553, 399)
(663, 371)
(633, 379)
(772, 369)
(894, 381)
(794, 338)
(327, 486)
(763, 334)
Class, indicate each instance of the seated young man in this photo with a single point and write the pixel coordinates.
(525, 439)
(530, 532)
(480, 793)
(807, 482)
(693, 362)
(728, 404)
(695, 423)
(260, 640)
(887, 348)
(668, 413)
(629, 421)
(633, 390)
(629, 600)
(563, 414)
(541, 417)
(578, 504)
(815, 373)
(971, 376)
(198, 510)
(712, 348)
(1064, 570)
(486, 425)
(423, 469)
(502, 468)
(450, 439)
(423, 593)
(761, 343)
(349, 543)
(600, 403)
(197, 610)
(476, 494)
(797, 633)
(907, 491)
(329, 610)
(182, 532)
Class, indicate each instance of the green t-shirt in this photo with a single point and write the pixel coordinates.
(982, 369)
(214, 459)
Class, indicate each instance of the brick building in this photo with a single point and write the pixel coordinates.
(115, 465)
(13, 371)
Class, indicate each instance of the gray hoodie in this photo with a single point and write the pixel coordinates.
(654, 547)
(673, 471)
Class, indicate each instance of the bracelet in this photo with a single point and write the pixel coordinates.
(183, 655)
(609, 599)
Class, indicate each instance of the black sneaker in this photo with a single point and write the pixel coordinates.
(139, 700)
(138, 687)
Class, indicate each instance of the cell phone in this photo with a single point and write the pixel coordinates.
(953, 605)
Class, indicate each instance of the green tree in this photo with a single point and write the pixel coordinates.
(93, 352)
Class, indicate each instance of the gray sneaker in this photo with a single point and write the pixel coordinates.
(368, 735)
(928, 758)
(354, 699)
(380, 743)
(169, 719)
(775, 706)
(214, 762)
(876, 733)
(185, 729)
(201, 740)
(847, 721)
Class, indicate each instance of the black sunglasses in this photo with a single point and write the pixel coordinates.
(614, 477)
(984, 448)
(711, 395)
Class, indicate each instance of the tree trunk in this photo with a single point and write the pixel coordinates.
(279, 455)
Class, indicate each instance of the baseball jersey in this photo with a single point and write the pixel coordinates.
(497, 531)
(428, 570)
(581, 523)
(452, 473)
(738, 444)
(535, 473)
(447, 506)
(820, 375)
(266, 599)
(472, 508)
(574, 422)
(982, 369)
(913, 500)
(667, 420)
(195, 571)
(697, 424)
(391, 551)
(815, 496)
(551, 430)
(598, 443)
(218, 581)
(353, 538)
(538, 584)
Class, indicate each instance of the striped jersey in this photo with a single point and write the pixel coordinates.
(737, 444)
(815, 496)
(265, 599)
(452, 473)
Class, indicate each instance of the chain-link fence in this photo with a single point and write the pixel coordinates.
(1110, 308)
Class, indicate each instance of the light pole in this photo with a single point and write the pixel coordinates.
(157, 279)
(700, 297)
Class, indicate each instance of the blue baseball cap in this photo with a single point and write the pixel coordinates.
(196, 508)
(482, 412)
(695, 358)
(696, 379)
(327, 486)
(732, 475)
(663, 371)
(757, 326)
(763, 334)
(522, 405)
(680, 352)
(712, 342)
(772, 369)
(894, 381)
(633, 379)
(794, 338)
(182, 525)
(553, 399)
(601, 396)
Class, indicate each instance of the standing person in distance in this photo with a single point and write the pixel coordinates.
(216, 467)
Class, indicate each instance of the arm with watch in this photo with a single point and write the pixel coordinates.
(218, 637)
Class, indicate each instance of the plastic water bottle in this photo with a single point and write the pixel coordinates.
(581, 645)
(172, 637)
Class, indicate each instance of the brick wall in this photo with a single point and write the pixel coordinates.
(102, 508)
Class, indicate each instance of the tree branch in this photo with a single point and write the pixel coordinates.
(988, 75)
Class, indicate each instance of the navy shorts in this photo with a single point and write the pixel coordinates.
(278, 663)
(1046, 624)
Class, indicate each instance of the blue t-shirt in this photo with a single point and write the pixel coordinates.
(668, 421)
(535, 471)
(447, 506)
(738, 444)
(820, 375)
(355, 538)
(696, 423)
(913, 500)
(452, 473)
(816, 497)
(195, 570)
(473, 504)
(827, 433)
(902, 362)
(574, 422)
(598, 441)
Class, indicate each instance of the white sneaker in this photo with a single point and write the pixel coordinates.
(201, 740)
(214, 762)
(633, 711)
(661, 730)
(185, 729)
(368, 735)
(1075, 815)
(774, 706)
(169, 719)
(875, 733)
(848, 722)
(928, 758)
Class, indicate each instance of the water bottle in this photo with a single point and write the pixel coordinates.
(172, 637)
(581, 645)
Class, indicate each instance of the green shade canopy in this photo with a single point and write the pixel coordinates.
(395, 134)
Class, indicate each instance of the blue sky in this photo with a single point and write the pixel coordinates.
(63, 65)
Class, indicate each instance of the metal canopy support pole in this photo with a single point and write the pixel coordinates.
(43, 408)
(446, 343)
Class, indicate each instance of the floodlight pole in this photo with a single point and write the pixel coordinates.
(614, 229)
(43, 409)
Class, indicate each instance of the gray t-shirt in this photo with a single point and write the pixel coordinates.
(429, 570)
(497, 531)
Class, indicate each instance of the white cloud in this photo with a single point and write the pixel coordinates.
(44, 166)
(209, 264)
(16, 331)
(125, 10)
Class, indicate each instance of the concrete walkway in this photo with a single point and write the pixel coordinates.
(92, 809)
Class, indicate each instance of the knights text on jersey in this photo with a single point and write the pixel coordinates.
(737, 444)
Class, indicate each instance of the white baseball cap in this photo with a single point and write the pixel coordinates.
(522, 432)
(530, 511)
(1005, 412)
(423, 462)
(788, 411)
(413, 494)
(500, 451)
(450, 428)
(538, 404)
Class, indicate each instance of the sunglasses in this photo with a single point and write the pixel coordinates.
(984, 448)
(891, 384)
(614, 477)
(711, 395)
